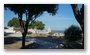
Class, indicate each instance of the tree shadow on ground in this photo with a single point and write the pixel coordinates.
(32, 46)
(44, 40)
(43, 43)
(11, 40)
(67, 45)
(50, 39)
(73, 45)
(6, 34)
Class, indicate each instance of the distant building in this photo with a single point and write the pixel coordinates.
(31, 30)
(58, 34)
(16, 30)
(9, 30)
(41, 31)
(49, 29)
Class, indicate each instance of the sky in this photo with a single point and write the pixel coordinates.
(61, 21)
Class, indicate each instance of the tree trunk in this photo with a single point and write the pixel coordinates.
(22, 30)
(24, 35)
(23, 40)
(82, 26)
(79, 16)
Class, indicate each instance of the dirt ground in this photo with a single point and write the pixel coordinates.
(16, 42)
(13, 43)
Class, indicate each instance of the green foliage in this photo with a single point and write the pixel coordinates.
(5, 28)
(73, 33)
(14, 22)
(32, 11)
(29, 32)
(10, 23)
(37, 24)
(50, 33)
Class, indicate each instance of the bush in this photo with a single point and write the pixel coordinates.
(50, 33)
(29, 32)
(5, 28)
(73, 33)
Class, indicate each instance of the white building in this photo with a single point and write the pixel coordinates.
(9, 30)
(49, 30)
(58, 34)
(31, 30)
(13, 30)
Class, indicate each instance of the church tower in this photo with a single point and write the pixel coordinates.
(49, 29)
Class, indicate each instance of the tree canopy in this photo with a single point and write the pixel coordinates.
(14, 22)
(35, 24)
(73, 33)
(32, 11)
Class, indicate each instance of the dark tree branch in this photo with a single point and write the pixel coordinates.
(21, 22)
(76, 12)
(79, 15)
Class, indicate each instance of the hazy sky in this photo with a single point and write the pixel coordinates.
(62, 20)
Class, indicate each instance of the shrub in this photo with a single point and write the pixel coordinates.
(50, 33)
(73, 33)
(5, 28)
(29, 32)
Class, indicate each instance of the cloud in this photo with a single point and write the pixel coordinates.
(57, 17)
(58, 21)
